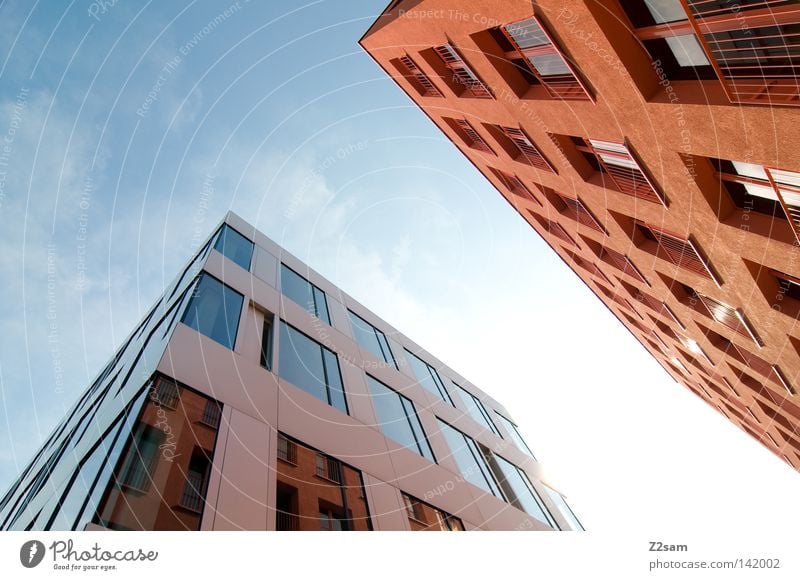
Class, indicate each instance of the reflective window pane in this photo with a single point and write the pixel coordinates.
(234, 246)
(371, 339)
(476, 409)
(564, 509)
(428, 377)
(512, 430)
(214, 310)
(398, 418)
(308, 365)
(519, 490)
(304, 293)
(470, 462)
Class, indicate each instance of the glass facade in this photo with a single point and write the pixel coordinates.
(162, 476)
(428, 377)
(470, 460)
(476, 409)
(310, 366)
(425, 517)
(564, 509)
(512, 430)
(518, 489)
(332, 492)
(234, 246)
(214, 311)
(398, 418)
(371, 338)
(304, 293)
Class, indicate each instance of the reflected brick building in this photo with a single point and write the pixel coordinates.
(256, 395)
(653, 145)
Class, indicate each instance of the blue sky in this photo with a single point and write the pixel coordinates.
(134, 128)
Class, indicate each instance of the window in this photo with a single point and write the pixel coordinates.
(618, 162)
(773, 192)
(526, 151)
(398, 419)
(424, 516)
(234, 246)
(266, 343)
(468, 134)
(564, 509)
(194, 489)
(519, 490)
(553, 228)
(476, 409)
(680, 251)
(788, 285)
(331, 518)
(212, 414)
(576, 210)
(729, 317)
(428, 377)
(287, 450)
(514, 184)
(371, 338)
(533, 45)
(512, 430)
(590, 267)
(752, 47)
(652, 303)
(328, 468)
(310, 366)
(304, 293)
(420, 81)
(462, 73)
(469, 459)
(214, 310)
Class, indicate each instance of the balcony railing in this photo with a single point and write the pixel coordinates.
(754, 48)
(192, 497)
(286, 522)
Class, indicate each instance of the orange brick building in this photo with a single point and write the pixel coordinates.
(653, 145)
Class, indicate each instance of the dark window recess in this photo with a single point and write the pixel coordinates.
(462, 73)
(528, 152)
(194, 490)
(266, 343)
(421, 82)
(788, 285)
(514, 184)
(468, 134)
(619, 163)
(287, 450)
(234, 246)
(680, 251)
(304, 293)
(553, 228)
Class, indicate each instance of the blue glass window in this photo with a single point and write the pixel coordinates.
(310, 366)
(234, 246)
(398, 418)
(520, 491)
(214, 310)
(564, 509)
(371, 338)
(304, 293)
(471, 462)
(476, 409)
(428, 377)
(515, 434)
